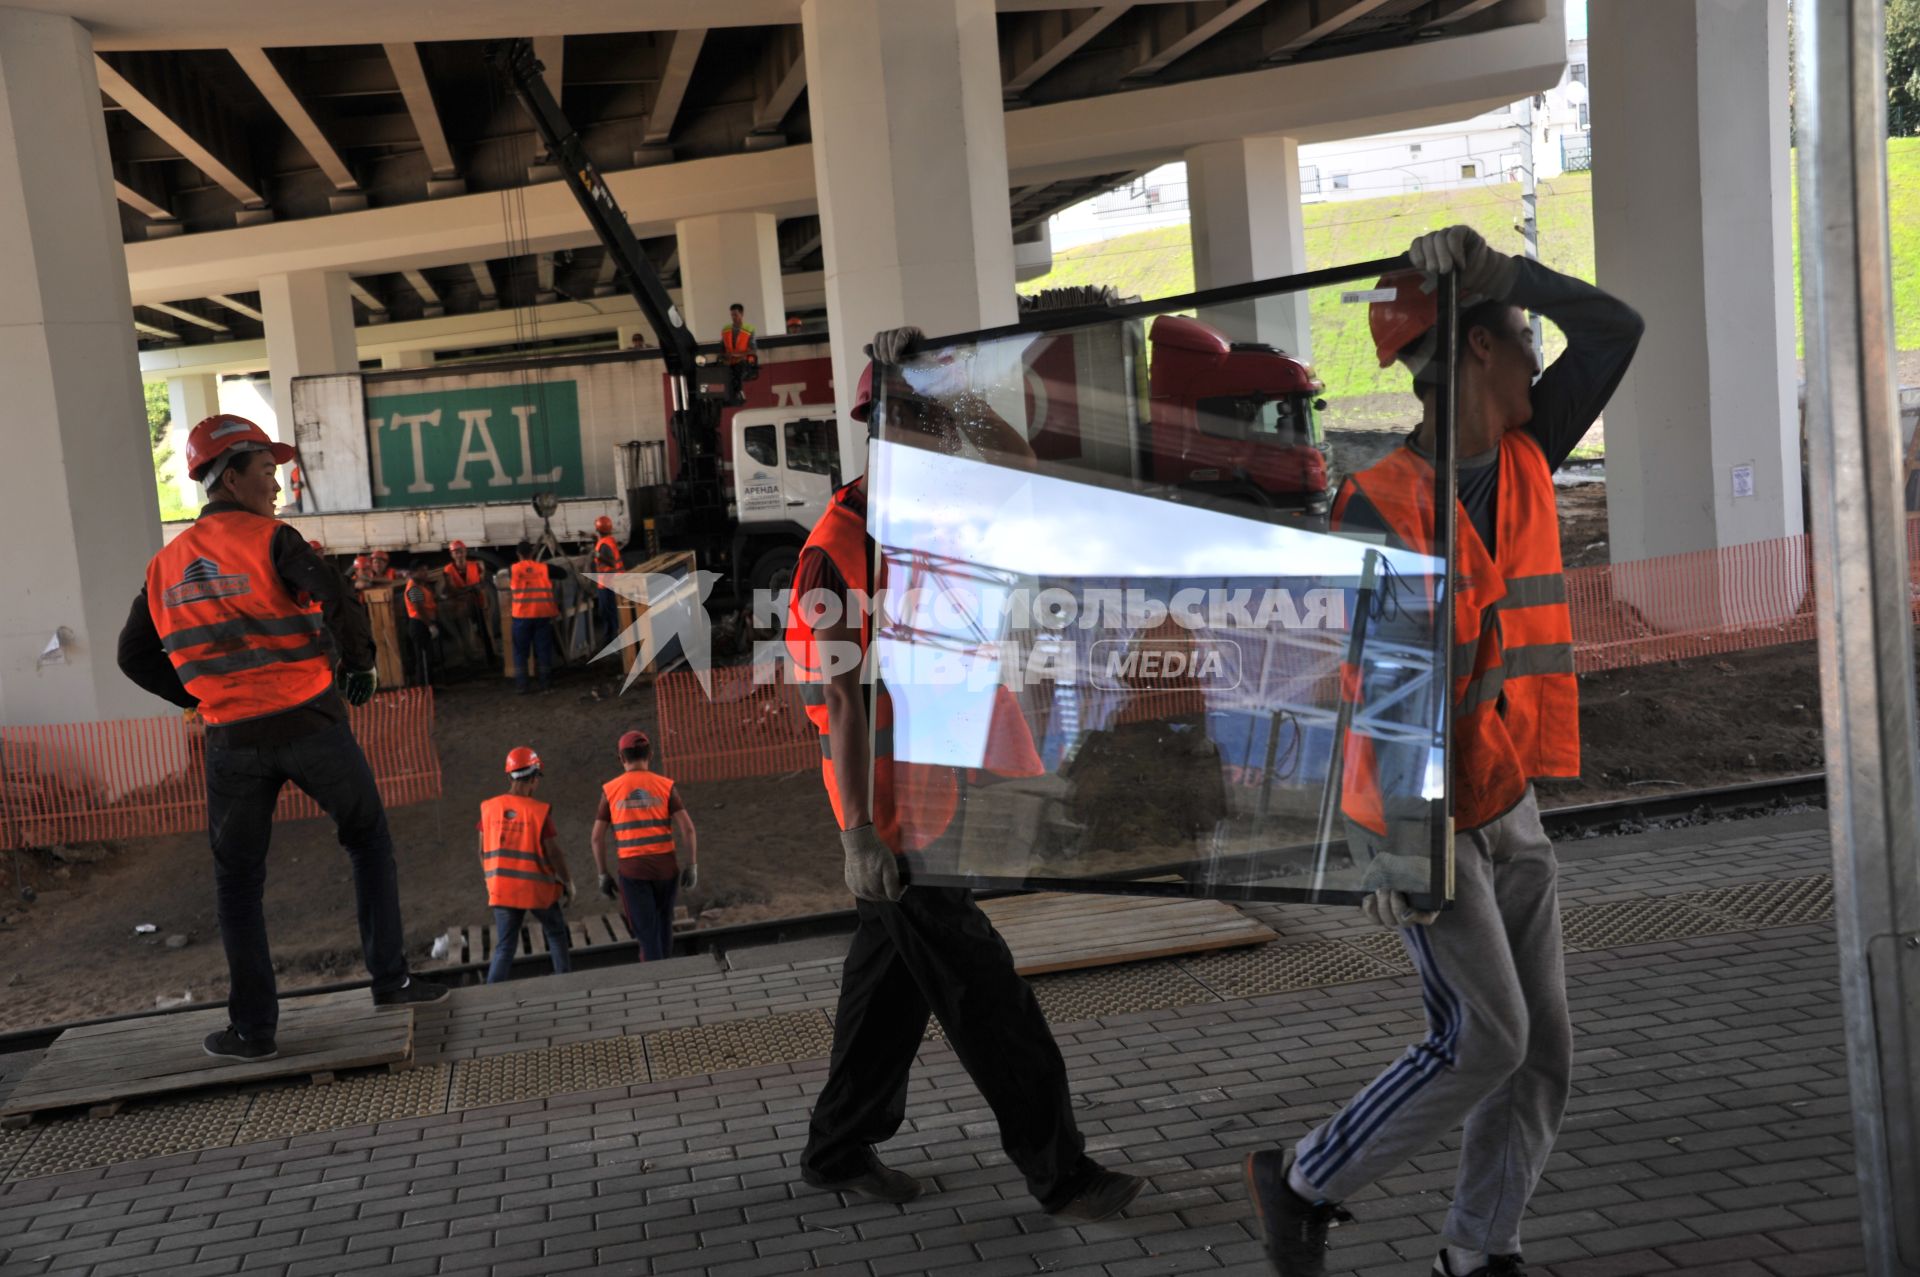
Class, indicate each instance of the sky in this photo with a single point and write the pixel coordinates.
(1576, 19)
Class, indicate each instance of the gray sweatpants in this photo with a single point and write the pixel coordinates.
(1498, 1053)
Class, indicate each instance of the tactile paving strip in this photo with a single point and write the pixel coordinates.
(156, 1130)
(1384, 947)
(552, 1070)
(359, 1100)
(13, 1144)
(1641, 921)
(1277, 968)
(1066, 996)
(739, 1044)
(1776, 902)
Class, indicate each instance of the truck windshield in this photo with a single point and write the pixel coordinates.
(813, 447)
(1286, 423)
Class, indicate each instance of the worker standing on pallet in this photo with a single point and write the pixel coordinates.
(467, 599)
(919, 951)
(606, 558)
(1498, 1054)
(526, 870)
(222, 626)
(641, 816)
(534, 610)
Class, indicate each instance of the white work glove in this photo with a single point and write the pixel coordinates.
(872, 872)
(894, 345)
(1390, 909)
(1485, 273)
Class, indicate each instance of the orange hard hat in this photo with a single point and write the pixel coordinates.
(522, 762)
(317, 547)
(457, 545)
(214, 437)
(1405, 318)
(603, 525)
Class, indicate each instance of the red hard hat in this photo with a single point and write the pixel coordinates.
(317, 547)
(635, 740)
(603, 525)
(1398, 323)
(863, 397)
(359, 562)
(379, 556)
(456, 545)
(521, 759)
(207, 441)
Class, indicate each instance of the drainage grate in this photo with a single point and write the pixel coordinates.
(552, 1070)
(1277, 968)
(359, 1100)
(1067, 996)
(178, 1126)
(1778, 902)
(1384, 947)
(739, 1044)
(1641, 921)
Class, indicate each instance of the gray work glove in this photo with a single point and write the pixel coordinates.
(690, 877)
(872, 872)
(357, 686)
(1485, 273)
(607, 888)
(895, 345)
(1390, 909)
(566, 893)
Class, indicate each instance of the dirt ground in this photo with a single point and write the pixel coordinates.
(767, 846)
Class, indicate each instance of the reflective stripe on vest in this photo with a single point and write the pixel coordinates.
(532, 589)
(638, 803)
(518, 875)
(1542, 711)
(736, 343)
(240, 640)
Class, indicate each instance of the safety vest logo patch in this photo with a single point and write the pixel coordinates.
(203, 580)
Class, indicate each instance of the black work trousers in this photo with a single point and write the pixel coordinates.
(936, 952)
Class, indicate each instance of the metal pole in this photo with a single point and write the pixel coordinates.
(1861, 578)
(1530, 212)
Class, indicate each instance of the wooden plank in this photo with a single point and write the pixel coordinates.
(1066, 931)
(382, 603)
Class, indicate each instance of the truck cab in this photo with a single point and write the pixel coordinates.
(786, 463)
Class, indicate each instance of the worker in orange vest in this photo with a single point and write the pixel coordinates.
(423, 623)
(739, 353)
(534, 611)
(526, 870)
(1498, 1054)
(919, 950)
(641, 816)
(380, 569)
(467, 593)
(606, 558)
(220, 628)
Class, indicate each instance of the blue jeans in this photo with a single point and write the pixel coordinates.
(535, 633)
(506, 940)
(243, 784)
(649, 908)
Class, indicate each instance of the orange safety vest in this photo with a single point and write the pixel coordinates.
(471, 576)
(1505, 605)
(421, 605)
(737, 345)
(638, 803)
(242, 642)
(932, 793)
(532, 590)
(611, 562)
(518, 875)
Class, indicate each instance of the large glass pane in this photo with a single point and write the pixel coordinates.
(1115, 618)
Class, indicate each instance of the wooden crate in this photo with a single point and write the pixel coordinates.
(678, 563)
(384, 609)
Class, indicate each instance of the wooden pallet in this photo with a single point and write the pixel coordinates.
(475, 943)
(1066, 931)
(105, 1065)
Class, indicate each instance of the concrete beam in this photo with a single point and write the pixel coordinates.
(1052, 38)
(293, 113)
(153, 330)
(1306, 21)
(421, 285)
(238, 307)
(1452, 11)
(483, 280)
(783, 75)
(188, 316)
(1173, 35)
(412, 78)
(362, 294)
(139, 203)
(196, 150)
(683, 52)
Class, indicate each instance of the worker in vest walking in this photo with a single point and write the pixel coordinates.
(534, 611)
(641, 816)
(606, 558)
(919, 950)
(223, 626)
(466, 581)
(1498, 1054)
(525, 868)
(423, 624)
(739, 352)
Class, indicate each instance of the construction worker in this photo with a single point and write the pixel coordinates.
(739, 353)
(606, 558)
(423, 623)
(362, 573)
(531, 588)
(918, 950)
(466, 582)
(525, 868)
(380, 569)
(220, 628)
(1499, 1047)
(641, 816)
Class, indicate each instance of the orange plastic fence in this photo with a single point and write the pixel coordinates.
(746, 729)
(74, 782)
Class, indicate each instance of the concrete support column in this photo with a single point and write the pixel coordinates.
(78, 514)
(910, 162)
(309, 322)
(191, 399)
(728, 258)
(1246, 222)
(1703, 436)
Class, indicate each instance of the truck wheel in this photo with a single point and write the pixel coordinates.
(773, 571)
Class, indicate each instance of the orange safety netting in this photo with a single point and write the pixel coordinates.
(747, 728)
(75, 782)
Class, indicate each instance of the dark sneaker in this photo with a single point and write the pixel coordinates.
(1294, 1229)
(412, 993)
(228, 1044)
(882, 1183)
(1104, 1196)
(1496, 1266)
